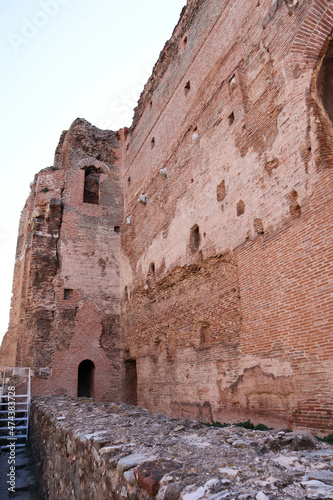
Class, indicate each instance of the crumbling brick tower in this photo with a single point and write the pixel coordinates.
(65, 311)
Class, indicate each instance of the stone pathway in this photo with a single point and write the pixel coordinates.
(25, 484)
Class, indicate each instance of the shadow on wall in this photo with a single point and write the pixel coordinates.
(131, 382)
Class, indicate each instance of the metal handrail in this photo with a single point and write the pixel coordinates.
(15, 376)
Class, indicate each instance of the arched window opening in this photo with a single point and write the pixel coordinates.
(85, 383)
(130, 391)
(91, 186)
(325, 81)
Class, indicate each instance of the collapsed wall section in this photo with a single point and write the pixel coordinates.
(231, 155)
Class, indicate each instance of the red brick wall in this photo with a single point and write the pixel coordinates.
(287, 302)
(248, 157)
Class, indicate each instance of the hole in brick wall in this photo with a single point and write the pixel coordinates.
(91, 186)
(232, 83)
(220, 191)
(187, 87)
(68, 294)
(192, 180)
(324, 81)
(85, 381)
(152, 143)
(128, 181)
(205, 334)
(44, 190)
(271, 165)
(183, 43)
(194, 238)
(258, 226)
(240, 207)
(117, 229)
(152, 268)
(130, 386)
(294, 207)
(195, 134)
(151, 104)
(231, 118)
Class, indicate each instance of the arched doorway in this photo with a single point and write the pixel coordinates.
(85, 380)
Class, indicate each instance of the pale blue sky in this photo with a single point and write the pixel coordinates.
(63, 59)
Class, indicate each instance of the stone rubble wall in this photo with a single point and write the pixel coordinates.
(89, 450)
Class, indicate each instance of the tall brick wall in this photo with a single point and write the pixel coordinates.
(238, 122)
(214, 301)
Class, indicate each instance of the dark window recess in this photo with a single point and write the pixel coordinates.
(205, 334)
(85, 382)
(194, 238)
(68, 294)
(325, 79)
(152, 268)
(117, 229)
(131, 397)
(231, 118)
(91, 186)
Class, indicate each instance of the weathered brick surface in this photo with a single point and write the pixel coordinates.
(66, 282)
(217, 302)
(248, 157)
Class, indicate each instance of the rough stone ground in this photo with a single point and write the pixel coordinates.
(25, 484)
(173, 458)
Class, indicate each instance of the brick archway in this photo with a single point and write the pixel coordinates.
(102, 375)
(92, 162)
(86, 379)
(309, 43)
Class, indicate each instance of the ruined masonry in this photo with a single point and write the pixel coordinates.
(184, 265)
